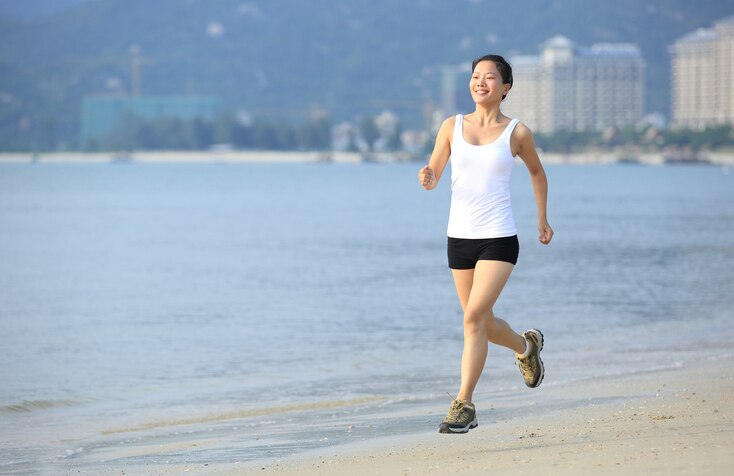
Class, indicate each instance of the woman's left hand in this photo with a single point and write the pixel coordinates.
(545, 233)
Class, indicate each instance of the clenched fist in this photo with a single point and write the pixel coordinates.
(426, 177)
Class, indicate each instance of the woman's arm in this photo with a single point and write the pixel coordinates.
(524, 146)
(429, 175)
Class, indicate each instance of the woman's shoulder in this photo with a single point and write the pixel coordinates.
(521, 138)
(449, 123)
(521, 130)
(452, 119)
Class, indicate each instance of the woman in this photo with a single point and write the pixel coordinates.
(482, 238)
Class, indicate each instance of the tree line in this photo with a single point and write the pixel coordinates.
(228, 130)
(317, 133)
(168, 133)
(647, 138)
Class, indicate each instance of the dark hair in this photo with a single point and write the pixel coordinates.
(502, 66)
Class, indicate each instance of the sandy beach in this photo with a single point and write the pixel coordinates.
(673, 422)
(677, 421)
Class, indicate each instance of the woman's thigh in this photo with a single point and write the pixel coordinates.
(463, 279)
(488, 281)
(482, 284)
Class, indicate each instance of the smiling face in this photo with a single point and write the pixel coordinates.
(486, 84)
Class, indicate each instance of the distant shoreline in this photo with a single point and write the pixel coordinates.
(264, 157)
(187, 156)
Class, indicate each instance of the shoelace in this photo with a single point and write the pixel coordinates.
(527, 366)
(455, 410)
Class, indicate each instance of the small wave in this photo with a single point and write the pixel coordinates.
(238, 414)
(33, 405)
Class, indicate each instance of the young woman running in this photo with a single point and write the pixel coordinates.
(482, 238)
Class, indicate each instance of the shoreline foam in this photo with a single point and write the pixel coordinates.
(677, 421)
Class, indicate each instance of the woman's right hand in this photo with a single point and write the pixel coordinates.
(426, 177)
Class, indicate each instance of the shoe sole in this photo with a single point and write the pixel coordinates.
(539, 342)
(453, 431)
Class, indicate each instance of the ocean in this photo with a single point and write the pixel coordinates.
(168, 313)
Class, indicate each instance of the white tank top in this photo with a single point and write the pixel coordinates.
(480, 186)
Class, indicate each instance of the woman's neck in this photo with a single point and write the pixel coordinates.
(488, 114)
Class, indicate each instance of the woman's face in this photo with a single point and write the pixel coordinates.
(486, 84)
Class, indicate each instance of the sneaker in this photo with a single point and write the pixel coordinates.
(531, 366)
(462, 417)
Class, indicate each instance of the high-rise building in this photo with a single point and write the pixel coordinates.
(573, 88)
(703, 77)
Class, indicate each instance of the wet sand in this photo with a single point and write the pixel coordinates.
(674, 422)
(669, 422)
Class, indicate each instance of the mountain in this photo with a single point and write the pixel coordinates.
(284, 58)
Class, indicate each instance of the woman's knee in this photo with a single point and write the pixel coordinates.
(475, 318)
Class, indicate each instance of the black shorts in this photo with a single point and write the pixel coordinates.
(464, 253)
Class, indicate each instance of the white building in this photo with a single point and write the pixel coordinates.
(703, 77)
(572, 88)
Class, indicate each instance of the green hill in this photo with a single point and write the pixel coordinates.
(281, 59)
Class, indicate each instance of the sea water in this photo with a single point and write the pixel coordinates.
(261, 310)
